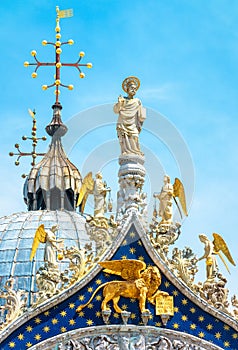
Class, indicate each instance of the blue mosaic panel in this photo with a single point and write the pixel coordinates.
(188, 317)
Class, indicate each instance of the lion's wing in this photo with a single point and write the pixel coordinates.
(128, 269)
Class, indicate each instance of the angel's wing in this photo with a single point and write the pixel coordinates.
(128, 269)
(86, 188)
(220, 245)
(40, 237)
(180, 193)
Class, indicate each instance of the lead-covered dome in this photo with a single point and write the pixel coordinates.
(16, 237)
(54, 183)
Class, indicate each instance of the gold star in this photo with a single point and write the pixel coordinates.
(226, 327)
(133, 316)
(209, 326)
(158, 324)
(124, 242)
(71, 322)
(124, 307)
(98, 297)
(184, 318)
(151, 317)
(98, 281)
(139, 243)
(63, 313)
(29, 328)
(132, 234)
(141, 258)
(81, 297)
(90, 289)
(192, 310)
(175, 325)
(37, 336)
(12, 344)
(46, 329)
(71, 305)
(63, 329)
(54, 321)
(166, 284)
(175, 293)
(89, 322)
(29, 344)
(226, 344)
(124, 257)
(184, 301)
(98, 314)
(37, 320)
(132, 300)
(46, 313)
(218, 335)
(176, 309)
(132, 250)
(20, 336)
(234, 335)
(201, 318)
(201, 335)
(90, 306)
(116, 315)
(81, 314)
(193, 326)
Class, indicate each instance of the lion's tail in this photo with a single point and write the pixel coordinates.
(81, 307)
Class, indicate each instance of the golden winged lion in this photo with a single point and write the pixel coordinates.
(140, 283)
(211, 249)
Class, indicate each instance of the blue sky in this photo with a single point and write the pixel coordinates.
(186, 55)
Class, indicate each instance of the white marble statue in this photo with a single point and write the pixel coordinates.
(131, 117)
(166, 201)
(52, 245)
(100, 191)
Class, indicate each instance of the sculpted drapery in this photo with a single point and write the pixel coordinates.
(131, 117)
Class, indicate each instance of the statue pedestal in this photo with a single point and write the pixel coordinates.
(131, 180)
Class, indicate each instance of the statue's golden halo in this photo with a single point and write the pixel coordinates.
(130, 80)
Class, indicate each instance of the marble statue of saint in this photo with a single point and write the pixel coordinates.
(166, 201)
(131, 117)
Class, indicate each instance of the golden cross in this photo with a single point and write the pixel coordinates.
(34, 140)
(58, 64)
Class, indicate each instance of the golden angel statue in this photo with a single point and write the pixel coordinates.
(52, 245)
(166, 196)
(211, 249)
(140, 283)
(96, 187)
(131, 117)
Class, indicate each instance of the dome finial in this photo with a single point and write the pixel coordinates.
(57, 63)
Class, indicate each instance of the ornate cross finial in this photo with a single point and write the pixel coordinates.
(58, 64)
(34, 139)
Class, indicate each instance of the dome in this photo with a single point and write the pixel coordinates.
(54, 182)
(16, 237)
